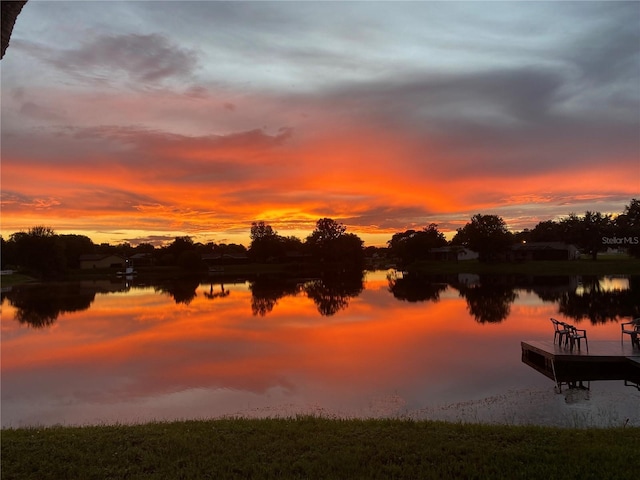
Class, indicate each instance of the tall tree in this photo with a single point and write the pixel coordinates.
(485, 234)
(627, 226)
(330, 243)
(261, 230)
(40, 251)
(587, 231)
(74, 246)
(411, 245)
(266, 244)
(547, 231)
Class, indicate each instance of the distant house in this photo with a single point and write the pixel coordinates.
(212, 259)
(452, 254)
(543, 251)
(90, 261)
(141, 259)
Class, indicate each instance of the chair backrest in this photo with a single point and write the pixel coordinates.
(558, 324)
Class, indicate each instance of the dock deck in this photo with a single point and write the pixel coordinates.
(605, 360)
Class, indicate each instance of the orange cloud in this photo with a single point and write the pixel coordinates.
(375, 179)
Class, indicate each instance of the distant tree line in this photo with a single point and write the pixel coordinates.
(42, 252)
(489, 236)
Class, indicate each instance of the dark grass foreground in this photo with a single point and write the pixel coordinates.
(315, 448)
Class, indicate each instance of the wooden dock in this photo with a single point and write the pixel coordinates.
(605, 360)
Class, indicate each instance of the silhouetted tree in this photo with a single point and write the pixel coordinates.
(627, 225)
(329, 243)
(548, 231)
(586, 232)
(410, 245)
(170, 254)
(40, 251)
(266, 244)
(7, 255)
(74, 246)
(485, 234)
(145, 248)
(190, 260)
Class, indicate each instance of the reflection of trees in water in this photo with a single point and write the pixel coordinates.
(415, 288)
(328, 300)
(601, 306)
(549, 288)
(211, 294)
(333, 292)
(40, 305)
(488, 301)
(182, 290)
(266, 291)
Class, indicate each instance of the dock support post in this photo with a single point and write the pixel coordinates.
(555, 377)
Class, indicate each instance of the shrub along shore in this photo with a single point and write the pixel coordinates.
(318, 448)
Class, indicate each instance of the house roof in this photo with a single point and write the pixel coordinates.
(543, 246)
(93, 257)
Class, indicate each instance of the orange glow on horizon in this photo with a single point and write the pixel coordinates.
(351, 177)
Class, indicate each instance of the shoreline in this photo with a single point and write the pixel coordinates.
(612, 265)
(313, 447)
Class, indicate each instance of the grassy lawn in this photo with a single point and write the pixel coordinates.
(316, 448)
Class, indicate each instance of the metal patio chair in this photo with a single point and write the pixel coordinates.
(575, 335)
(632, 329)
(560, 331)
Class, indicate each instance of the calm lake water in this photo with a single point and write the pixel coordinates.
(376, 346)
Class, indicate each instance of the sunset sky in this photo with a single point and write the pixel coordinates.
(142, 121)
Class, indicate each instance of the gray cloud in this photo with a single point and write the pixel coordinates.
(155, 240)
(40, 112)
(610, 50)
(143, 58)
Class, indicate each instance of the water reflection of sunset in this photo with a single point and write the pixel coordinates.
(141, 347)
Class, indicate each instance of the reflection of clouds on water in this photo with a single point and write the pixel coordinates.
(605, 284)
(139, 355)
